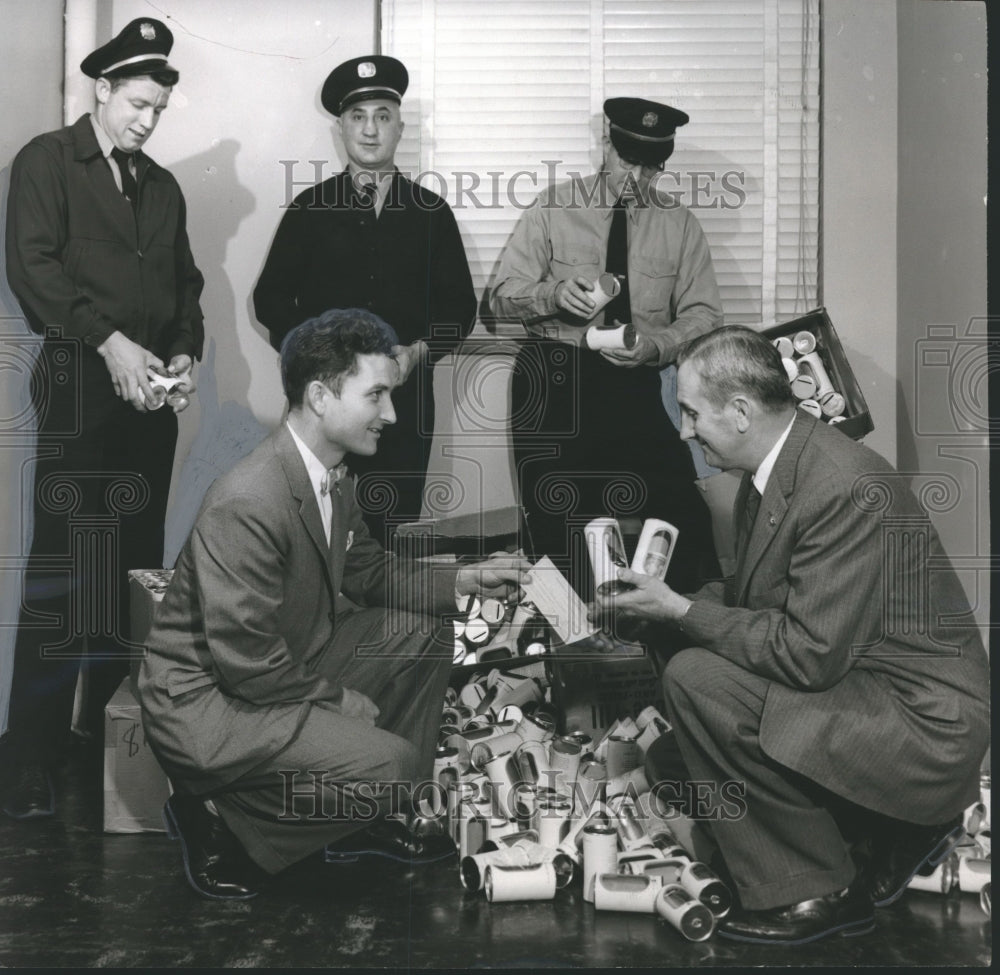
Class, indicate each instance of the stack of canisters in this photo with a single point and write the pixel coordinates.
(532, 812)
(809, 378)
(967, 866)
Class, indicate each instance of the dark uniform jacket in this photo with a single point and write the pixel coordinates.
(408, 266)
(80, 258)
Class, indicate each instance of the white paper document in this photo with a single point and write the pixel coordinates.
(558, 602)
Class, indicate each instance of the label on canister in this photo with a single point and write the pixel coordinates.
(611, 336)
(655, 548)
(472, 869)
(600, 855)
(625, 892)
(622, 755)
(532, 882)
(538, 726)
(607, 555)
(552, 819)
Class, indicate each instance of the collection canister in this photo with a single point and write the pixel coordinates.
(600, 855)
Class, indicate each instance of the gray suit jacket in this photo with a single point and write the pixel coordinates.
(230, 671)
(838, 599)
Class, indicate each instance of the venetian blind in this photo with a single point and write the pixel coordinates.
(506, 96)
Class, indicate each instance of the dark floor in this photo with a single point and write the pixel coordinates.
(71, 896)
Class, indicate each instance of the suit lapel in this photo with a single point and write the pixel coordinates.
(302, 490)
(773, 505)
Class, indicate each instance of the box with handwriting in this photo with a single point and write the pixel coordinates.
(135, 787)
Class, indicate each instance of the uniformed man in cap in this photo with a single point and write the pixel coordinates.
(370, 238)
(591, 436)
(98, 257)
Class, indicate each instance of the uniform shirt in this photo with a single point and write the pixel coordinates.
(673, 293)
(106, 145)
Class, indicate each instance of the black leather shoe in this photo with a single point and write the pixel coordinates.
(394, 840)
(909, 850)
(845, 912)
(29, 793)
(214, 862)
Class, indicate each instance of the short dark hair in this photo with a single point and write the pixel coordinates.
(164, 77)
(326, 348)
(736, 359)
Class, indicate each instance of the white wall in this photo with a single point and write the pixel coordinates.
(31, 45)
(942, 422)
(858, 205)
(904, 245)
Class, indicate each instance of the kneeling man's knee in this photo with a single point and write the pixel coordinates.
(688, 669)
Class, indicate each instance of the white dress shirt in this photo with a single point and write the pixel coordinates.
(763, 473)
(316, 472)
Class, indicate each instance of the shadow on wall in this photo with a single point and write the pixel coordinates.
(18, 349)
(223, 429)
(226, 434)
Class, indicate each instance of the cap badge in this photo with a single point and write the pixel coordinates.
(366, 69)
(148, 32)
(650, 119)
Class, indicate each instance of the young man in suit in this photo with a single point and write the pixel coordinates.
(303, 720)
(98, 256)
(821, 678)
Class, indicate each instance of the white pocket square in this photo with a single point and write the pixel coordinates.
(350, 541)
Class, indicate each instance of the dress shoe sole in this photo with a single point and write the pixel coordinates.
(352, 856)
(34, 812)
(850, 930)
(174, 832)
(940, 851)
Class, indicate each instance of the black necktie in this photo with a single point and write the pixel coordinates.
(753, 506)
(129, 187)
(617, 264)
(367, 194)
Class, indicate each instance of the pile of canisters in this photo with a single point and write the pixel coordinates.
(808, 377)
(532, 812)
(490, 630)
(967, 867)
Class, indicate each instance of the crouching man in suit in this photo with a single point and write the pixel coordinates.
(303, 723)
(821, 679)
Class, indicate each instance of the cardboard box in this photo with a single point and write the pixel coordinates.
(135, 787)
(590, 695)
(857, 420)
(146, 589)
(469, 536)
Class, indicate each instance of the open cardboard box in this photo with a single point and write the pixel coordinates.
(857, 420)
